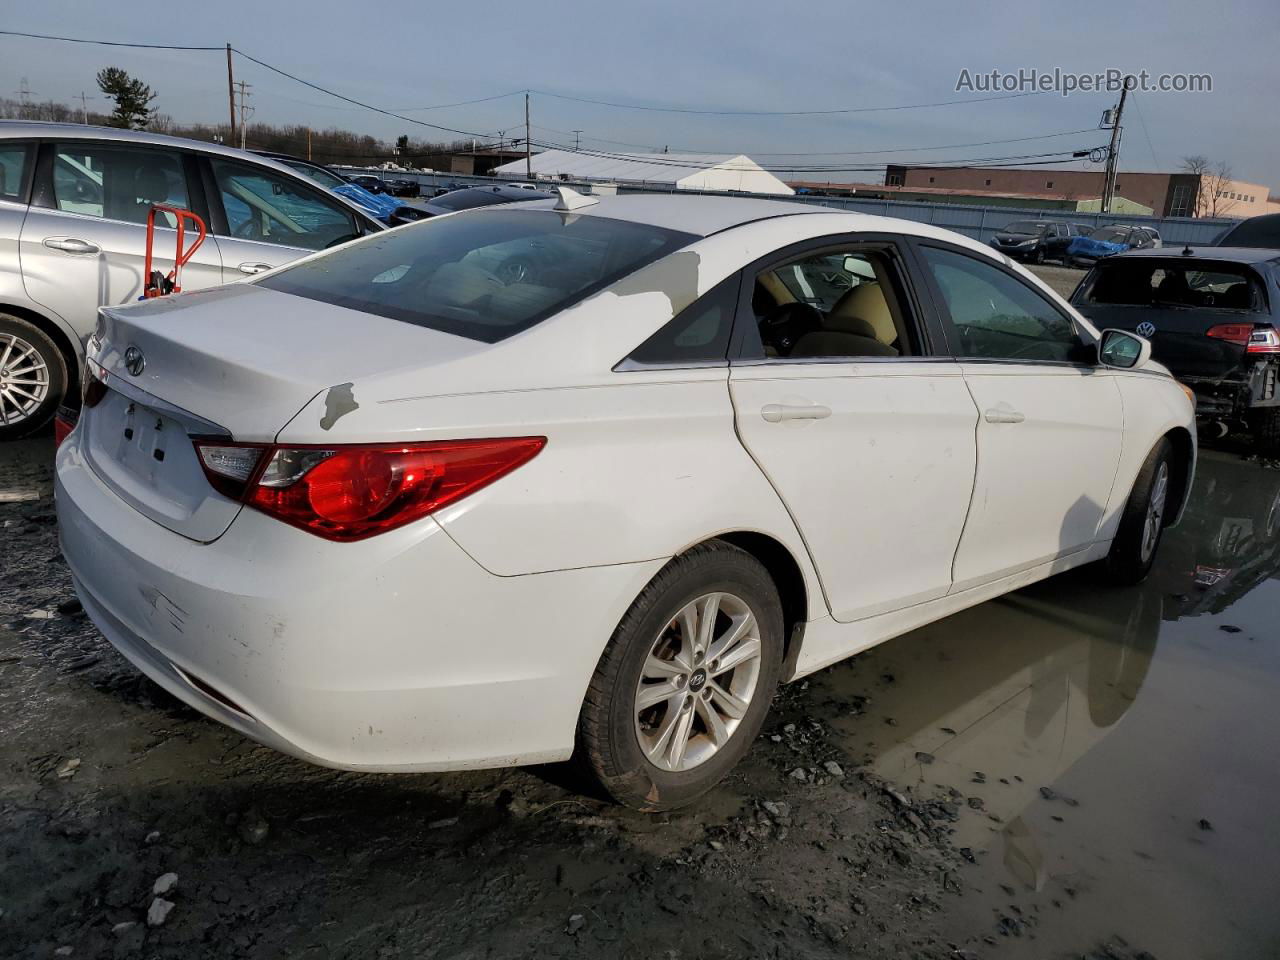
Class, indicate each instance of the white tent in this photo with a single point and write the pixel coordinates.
(684, 171)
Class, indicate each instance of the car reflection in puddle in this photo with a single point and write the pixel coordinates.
(1092, 730)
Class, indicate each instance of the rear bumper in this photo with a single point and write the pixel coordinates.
(1254, 387)
(395, 653)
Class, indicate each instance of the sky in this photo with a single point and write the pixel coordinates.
(405, 55)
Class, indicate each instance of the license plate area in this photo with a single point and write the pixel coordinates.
(148, 460)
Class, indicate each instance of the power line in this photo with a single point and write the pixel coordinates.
(104, 43)
(1143, 120)
(358, 103)
(786, 113)
(1029, 159)
(840, 153)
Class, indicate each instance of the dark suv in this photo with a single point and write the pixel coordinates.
(1211, 316)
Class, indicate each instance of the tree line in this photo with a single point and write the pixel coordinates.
(133, 110)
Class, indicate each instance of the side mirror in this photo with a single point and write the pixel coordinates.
(1123, 350)
(859, 268)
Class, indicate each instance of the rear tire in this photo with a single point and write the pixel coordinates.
(1134, 548)
(658, 727)
(33, 377)
(1265, 426)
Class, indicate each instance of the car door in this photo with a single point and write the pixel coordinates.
(84, 240)
(262, 218)
(866, 435)
(1051, 426)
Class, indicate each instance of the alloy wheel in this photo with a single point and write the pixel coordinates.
(24, 379)
(1155, 511)
(697, 681)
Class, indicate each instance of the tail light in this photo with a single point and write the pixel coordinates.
(64, 421)
(1232, 332)
(1264, 339)
(349, 493)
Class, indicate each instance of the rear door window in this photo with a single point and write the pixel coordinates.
(265, 206)
(117, 183)
(486, 274)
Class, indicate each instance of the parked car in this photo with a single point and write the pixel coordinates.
(1036, 241)
(1263, 231)
(371, 183)
(382, 206)
(405, 188)
(1105, 241)
(73, 215)
(1211, 316)
(397, 508)
(470, 197)
(522, 185)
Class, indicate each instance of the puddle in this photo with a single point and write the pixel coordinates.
(1094, 730)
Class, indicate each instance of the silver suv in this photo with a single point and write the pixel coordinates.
(73, 212)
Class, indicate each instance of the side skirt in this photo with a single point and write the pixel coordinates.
(826, 642)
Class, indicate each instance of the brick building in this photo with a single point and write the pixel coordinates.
(1167, 194)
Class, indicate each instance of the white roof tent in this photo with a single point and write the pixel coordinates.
(684, 171)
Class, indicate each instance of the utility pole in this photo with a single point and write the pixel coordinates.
(24, 97)
(528, 146)
(84, 108)
(576, 139)
(308, 143)
(245, 111)
(1113, 152)
(231, 94)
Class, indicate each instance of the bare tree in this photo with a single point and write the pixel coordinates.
(1213, 197)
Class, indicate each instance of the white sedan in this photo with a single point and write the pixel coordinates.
(591, 477)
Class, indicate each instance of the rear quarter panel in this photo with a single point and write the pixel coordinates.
(640, 469)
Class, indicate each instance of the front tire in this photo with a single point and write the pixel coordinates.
(684, 685)
(33, 377)
(1133, 551)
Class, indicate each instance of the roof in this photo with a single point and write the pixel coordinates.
(716, 171)
(696, 214)
(1173, 251)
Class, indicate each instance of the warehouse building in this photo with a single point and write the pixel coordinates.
(1166, 194)
(678, 171)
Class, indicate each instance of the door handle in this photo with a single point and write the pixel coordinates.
(252, 268)
(777, 412)
(71, 245)
(1002, 415)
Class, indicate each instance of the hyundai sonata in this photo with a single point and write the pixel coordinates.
(591, 477)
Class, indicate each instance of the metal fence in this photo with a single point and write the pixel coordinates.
(979, 222)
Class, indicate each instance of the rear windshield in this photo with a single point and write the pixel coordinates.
(1145, 282)
(467, 199)
(485, 275)
(1111, 234)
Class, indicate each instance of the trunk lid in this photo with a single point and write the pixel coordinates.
(1180, 341)
(236, 362)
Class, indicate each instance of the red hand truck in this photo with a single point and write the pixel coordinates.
(156, 283)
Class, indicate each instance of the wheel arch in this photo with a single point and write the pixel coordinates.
(787, 576)
(66, 344)
(1183, 470)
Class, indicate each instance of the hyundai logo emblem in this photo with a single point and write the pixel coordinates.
(1145, 329)
(134, 361)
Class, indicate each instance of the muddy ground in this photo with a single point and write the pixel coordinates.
(1064, 772)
